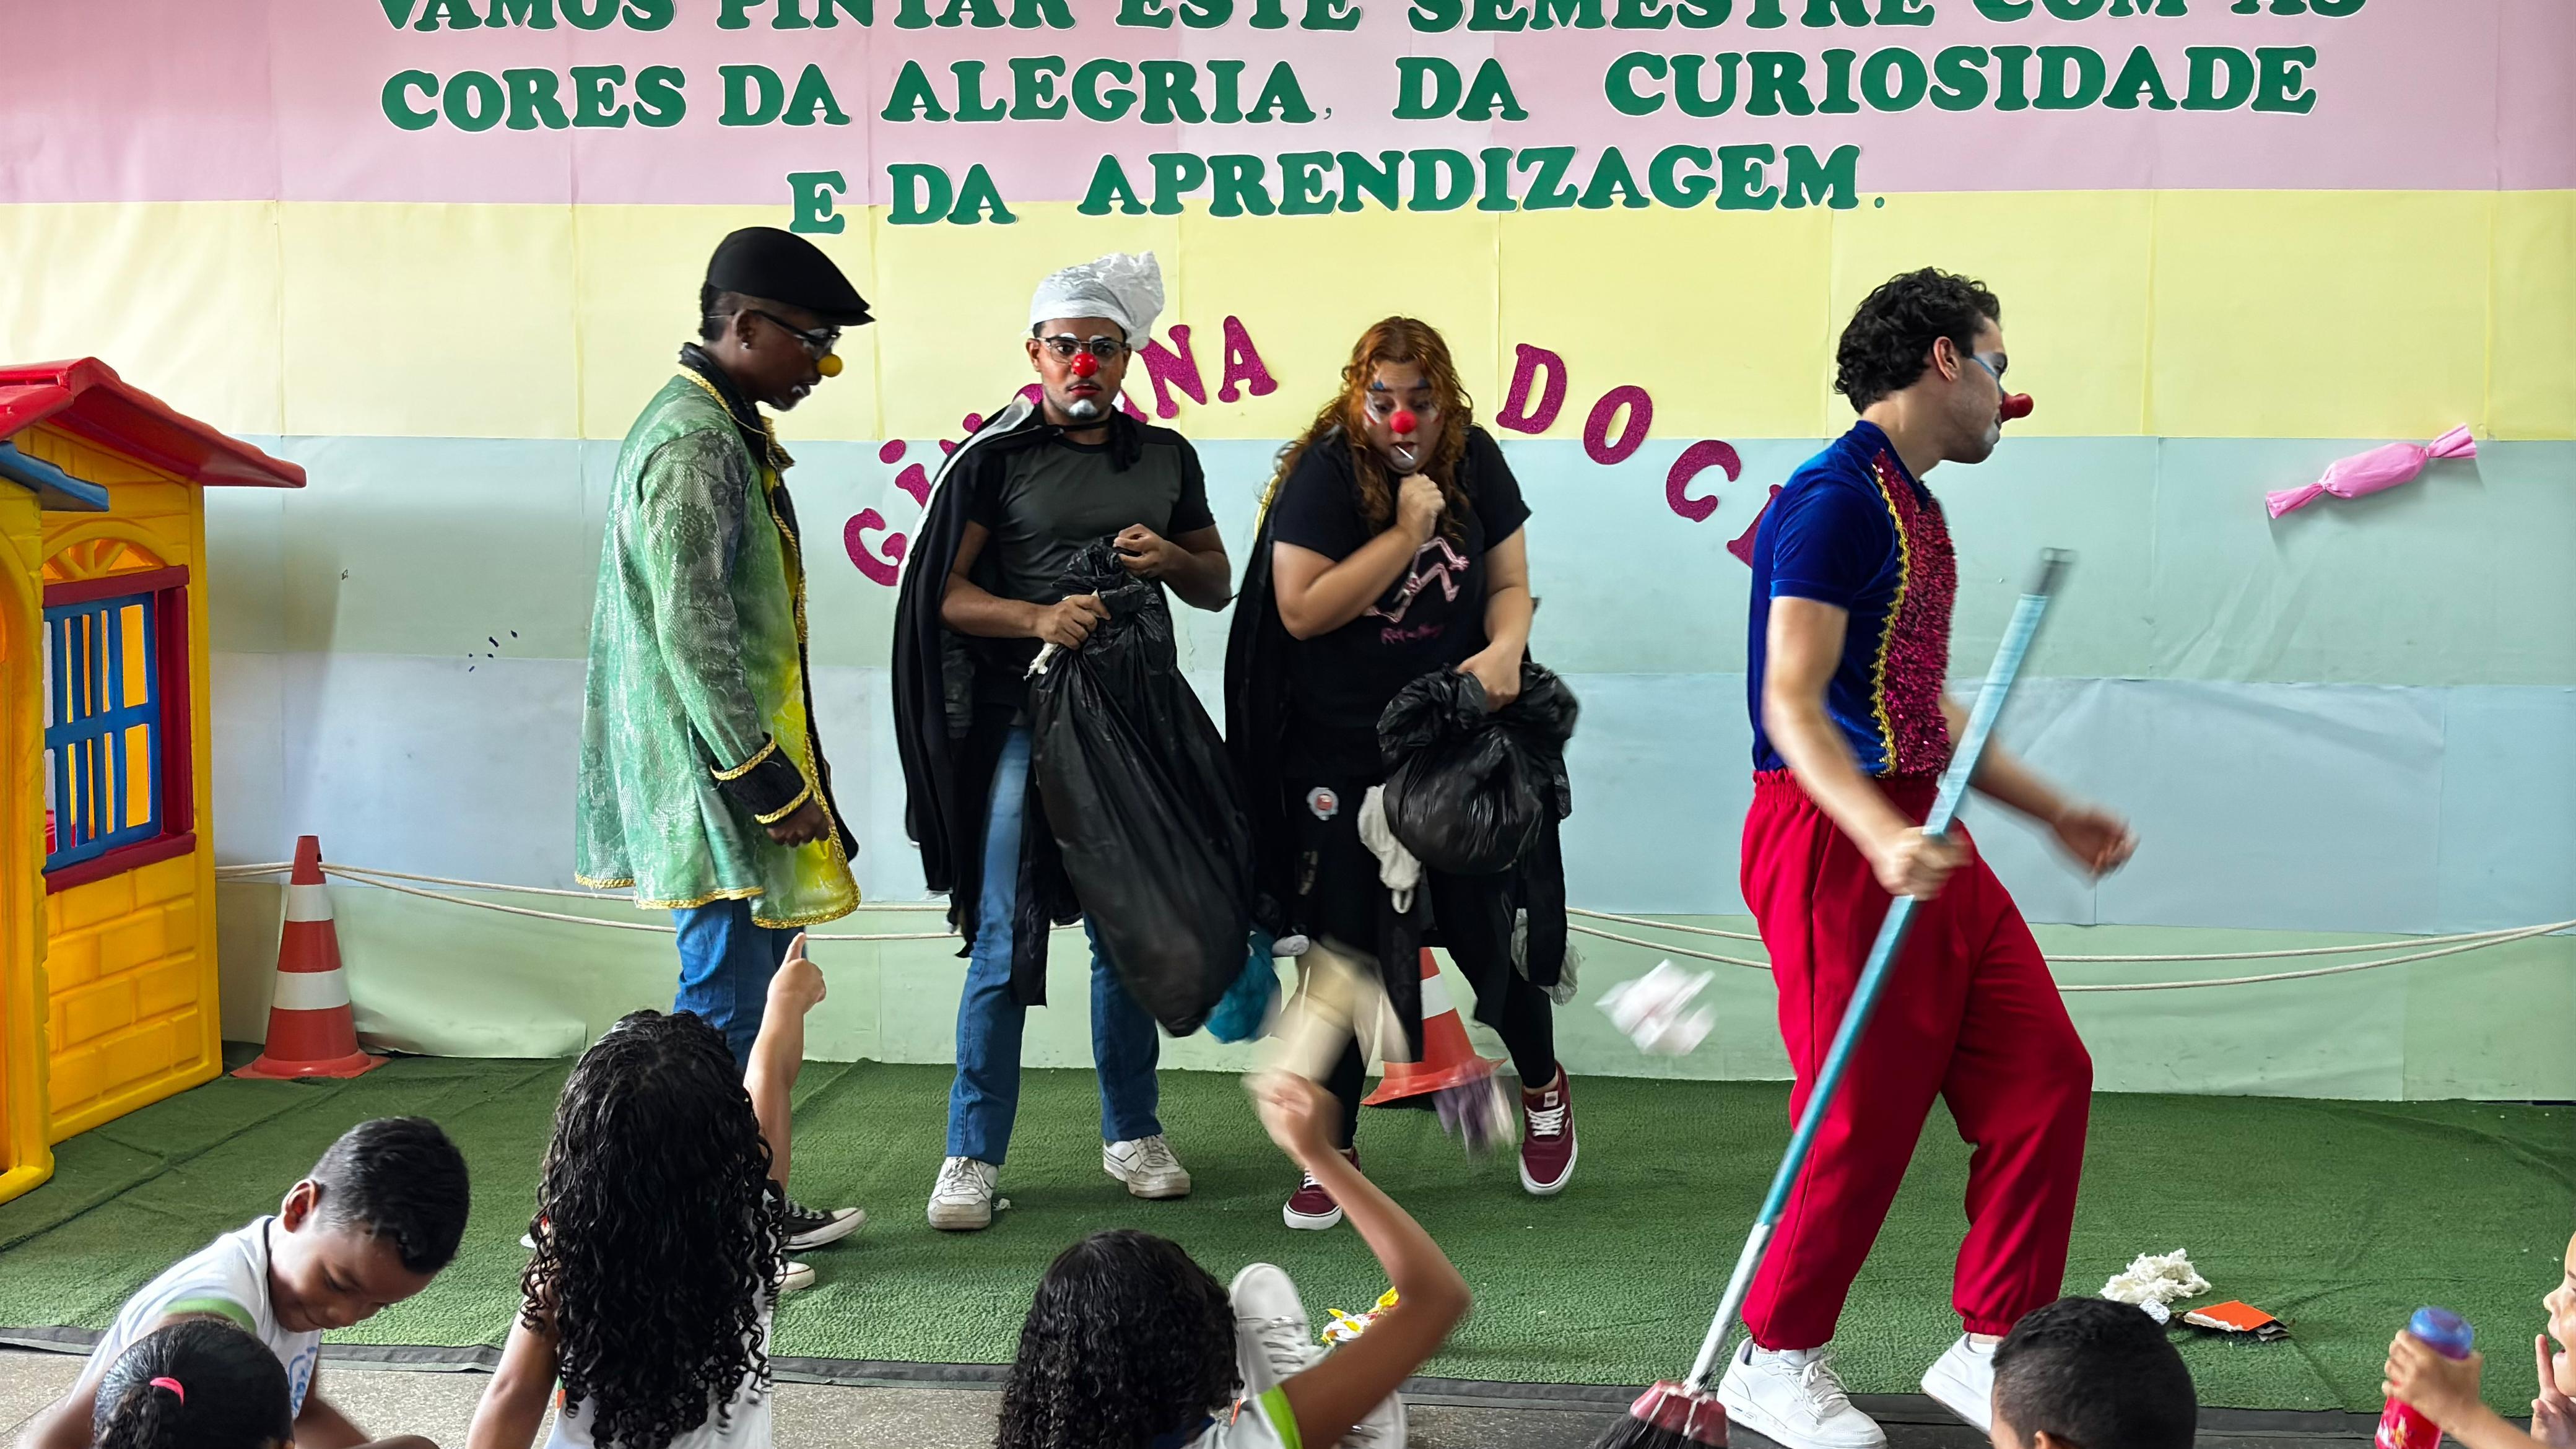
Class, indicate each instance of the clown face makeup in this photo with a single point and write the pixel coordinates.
(1401, 415)
(1080, 362)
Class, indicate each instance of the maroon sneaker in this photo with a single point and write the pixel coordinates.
(1547, 1137)
(1312, 1208)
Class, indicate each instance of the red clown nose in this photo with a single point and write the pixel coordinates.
(1402, 423)
(1084, 364)
(2016, 407)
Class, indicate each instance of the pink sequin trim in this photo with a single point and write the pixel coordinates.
(1914, 654)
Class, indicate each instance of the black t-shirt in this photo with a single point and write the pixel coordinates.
(1044, 503)
(1048, 501)
(1431, 618)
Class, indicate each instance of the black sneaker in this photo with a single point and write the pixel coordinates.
(808, 1229)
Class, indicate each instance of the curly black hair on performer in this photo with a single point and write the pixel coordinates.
(197, 1384)
(1885, 346)
(658, 1231)
(1128, 1340)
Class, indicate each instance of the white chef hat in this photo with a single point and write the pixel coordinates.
(1127, 289)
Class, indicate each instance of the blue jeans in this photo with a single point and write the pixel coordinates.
(1123, 1042)
(725, 966)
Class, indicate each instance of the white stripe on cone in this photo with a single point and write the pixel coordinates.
(1435, 996)
(309, 991)
(308, 903)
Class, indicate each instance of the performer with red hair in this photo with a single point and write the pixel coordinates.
(1391, 546)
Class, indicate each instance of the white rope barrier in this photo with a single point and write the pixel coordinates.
(2442, 946)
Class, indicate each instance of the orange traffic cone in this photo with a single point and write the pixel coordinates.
(311, 1032)
(1448, 1059)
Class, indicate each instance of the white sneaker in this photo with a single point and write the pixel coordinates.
(1147, 1166)
(1963, 1382)
(1274, 1341)
(795, 1276)
(1794, 1399)
(962, 1201)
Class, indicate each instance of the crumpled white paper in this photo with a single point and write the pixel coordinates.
(1125, 288)
(2154, 1281)
(1654, 1009)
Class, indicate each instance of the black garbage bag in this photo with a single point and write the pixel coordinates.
(1471, 792)
(1142, 801)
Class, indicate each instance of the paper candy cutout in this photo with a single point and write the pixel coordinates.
(1654, 1010)
(2367, 473)
(1347, 1326)
(2234, 1317)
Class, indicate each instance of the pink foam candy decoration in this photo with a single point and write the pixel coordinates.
(2367, 473)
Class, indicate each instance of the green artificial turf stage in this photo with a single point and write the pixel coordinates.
(2340, 1217)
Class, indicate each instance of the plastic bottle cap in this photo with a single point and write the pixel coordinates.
(2447, 1333)
(1403, 423)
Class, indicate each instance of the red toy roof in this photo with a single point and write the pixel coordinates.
(88, 400)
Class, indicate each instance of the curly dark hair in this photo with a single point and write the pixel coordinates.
(658, 1232)
(400, 1180)
(198, 1384)
(1884, 349)
(1127, 1340)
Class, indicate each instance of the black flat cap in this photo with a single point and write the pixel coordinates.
(762, 261)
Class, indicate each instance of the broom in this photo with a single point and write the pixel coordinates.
(1685, 1414)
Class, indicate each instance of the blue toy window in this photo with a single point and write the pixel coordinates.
(104, 732)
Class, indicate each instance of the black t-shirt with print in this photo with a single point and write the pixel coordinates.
(1431, 618)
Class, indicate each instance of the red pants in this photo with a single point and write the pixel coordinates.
(1971, 1015)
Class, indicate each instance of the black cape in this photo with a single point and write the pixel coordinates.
(948, 745)
(1257, 710)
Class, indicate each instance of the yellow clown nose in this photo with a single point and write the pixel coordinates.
(830, 365)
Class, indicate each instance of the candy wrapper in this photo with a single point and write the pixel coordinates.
(2366, 473)
(1347, 1326)
(2235, 1318)
(2153, 1282)
(1654, 1010)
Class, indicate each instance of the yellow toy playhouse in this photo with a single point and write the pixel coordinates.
(107, 865)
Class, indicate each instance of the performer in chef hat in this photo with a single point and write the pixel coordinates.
(980, 596)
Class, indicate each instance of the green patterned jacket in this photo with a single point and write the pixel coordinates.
(697, 719)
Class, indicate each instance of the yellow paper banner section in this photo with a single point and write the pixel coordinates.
(2193, 314)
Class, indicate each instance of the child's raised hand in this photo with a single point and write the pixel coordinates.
(2444, 1390)
(798, 986)
(2553, 1414)
(1297, 1113)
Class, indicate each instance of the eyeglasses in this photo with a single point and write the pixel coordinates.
(818, 343)
(1065, 345)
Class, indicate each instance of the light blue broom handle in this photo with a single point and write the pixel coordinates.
(1882, 952)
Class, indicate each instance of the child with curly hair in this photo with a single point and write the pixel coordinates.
(2446, 1390)
(200, 1383)
(1131, 1345)
(660, 1239)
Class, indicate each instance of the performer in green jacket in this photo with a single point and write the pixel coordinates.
(703, 784)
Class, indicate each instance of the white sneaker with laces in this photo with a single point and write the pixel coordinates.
(794, 1277)
(1795, 1399)
(1147, 1166)
(1963, 1382)
(962, 1201)
(1273, 1339)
